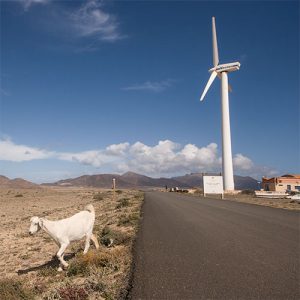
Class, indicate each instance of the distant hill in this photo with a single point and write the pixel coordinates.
(196, 180)
(127, 180)
(245, 183)
(144, 181)
(17, 183)
(99, 181)
(134, 180)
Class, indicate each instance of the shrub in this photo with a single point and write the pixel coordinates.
(19, 195)
(123, 203)
(77, 267)
(119, 192)
(40, 286)
(72, 292)
(118, 237)
(82, 263)
(11, 289)
(102, 287)
(96, 285)
(126, 220)
(248, 192)
(98, 197)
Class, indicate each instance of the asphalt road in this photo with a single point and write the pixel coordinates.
(196, 248)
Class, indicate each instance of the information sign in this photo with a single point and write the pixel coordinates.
(213, 185)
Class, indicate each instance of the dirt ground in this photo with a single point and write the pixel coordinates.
(24, 256)
(276, 203)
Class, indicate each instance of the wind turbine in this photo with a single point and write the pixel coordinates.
(221, 71)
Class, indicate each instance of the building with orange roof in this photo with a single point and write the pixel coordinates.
(287, 182)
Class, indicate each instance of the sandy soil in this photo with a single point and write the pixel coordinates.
(21, 250)
(23, 255)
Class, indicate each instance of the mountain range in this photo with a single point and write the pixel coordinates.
(129, 180)
(134, 180)
(17, 183)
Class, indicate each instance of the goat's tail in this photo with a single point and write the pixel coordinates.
(90, 208)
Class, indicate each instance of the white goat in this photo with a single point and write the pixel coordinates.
(67, 230)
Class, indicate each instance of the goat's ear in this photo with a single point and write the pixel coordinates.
(41, 223)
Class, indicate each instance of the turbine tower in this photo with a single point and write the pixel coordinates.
(221, 71)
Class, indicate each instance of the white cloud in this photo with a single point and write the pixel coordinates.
(151, 86)
(85, 24)
(96, 158)
(242, 162)
(167, 158)
(164, 159)
(12, 152)
(93, 158)
(117, 149)
(90, 20)
(28, 3)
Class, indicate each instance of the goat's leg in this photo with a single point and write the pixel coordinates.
(60, 255)
(87, 243)
(61, 266)
(95, 241)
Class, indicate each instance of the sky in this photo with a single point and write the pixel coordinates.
(90, 87)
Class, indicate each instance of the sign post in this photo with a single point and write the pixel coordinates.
(213, 185)
(114, 188)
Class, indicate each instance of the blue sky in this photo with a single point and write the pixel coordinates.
(93, 87)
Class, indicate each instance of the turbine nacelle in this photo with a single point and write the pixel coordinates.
(231, 67)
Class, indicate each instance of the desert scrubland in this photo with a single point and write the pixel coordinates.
(28, 266)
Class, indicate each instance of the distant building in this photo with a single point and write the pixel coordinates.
(288, 182)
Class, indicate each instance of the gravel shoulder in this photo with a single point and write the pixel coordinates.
(276, 203)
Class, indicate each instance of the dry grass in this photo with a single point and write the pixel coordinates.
(27, 265)
(12, 289)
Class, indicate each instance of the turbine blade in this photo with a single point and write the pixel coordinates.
(209, 82)
(215, 43)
